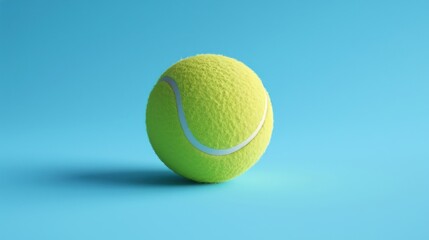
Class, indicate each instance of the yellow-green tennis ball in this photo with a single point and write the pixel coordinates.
(209, 118)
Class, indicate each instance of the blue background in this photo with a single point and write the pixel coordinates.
(349, 155)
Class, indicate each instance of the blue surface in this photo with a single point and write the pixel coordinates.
(349, 156)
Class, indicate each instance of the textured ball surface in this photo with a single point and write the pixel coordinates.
(209, 118)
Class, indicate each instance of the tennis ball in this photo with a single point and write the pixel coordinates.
(209, 118)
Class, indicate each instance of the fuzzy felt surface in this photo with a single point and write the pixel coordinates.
(223, 101)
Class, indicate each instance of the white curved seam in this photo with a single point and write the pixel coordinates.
(190, 136)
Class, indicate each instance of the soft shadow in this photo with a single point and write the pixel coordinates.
(142, 177)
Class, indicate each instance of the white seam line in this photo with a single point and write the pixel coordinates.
(190, 136)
